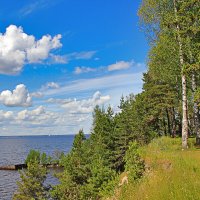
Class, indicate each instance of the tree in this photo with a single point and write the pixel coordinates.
(133, 123)
(31, 185)
(33, 156)
(178, 19)
(75, 163)
(67, 189)
(102, 140)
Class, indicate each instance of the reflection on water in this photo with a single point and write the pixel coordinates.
(13, 150)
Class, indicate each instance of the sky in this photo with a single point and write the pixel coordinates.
(61, 58)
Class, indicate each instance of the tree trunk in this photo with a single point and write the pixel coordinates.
(184, 119)
(165, 128)
(173, 123)
(184, 87)
(168, 122)
(195, 111)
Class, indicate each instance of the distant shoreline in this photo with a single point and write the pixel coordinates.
(37, 135)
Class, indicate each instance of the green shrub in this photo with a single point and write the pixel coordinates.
(44, 159)
(31, 185)
(33, 156)
(134, 163)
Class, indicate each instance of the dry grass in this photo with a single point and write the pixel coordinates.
(171, 174)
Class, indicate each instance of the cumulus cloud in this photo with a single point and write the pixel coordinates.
(121, 65)
(6, 115)
(40, 121)
(81, 106)
(27, 115)
(18, 97)
(38, 116)
(18, 48)
(80, 70)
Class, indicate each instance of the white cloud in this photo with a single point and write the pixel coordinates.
(28, 9)
(18, 97)
(37, 116)
(18, 48)
(62, 59)
(47, 86)
(40, 49)
(80, 70)
(121, 65)
(99, 83)
(36, 5)
(6, 115)
(37, 94)
(40, 121)
(65, 115)
(31, 115)
(84, 55)
(58, 101)
(50, 85)
(81, 106)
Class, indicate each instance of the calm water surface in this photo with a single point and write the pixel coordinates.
(13, 150)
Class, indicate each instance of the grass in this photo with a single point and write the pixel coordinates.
(171, 174)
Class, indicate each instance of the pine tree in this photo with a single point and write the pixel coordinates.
(31, 185)
(75, 163)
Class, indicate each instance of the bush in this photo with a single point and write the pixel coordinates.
(134, 164)
(33, 156)
(42, 158)
(31, 185)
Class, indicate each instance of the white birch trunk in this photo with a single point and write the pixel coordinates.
(184, 86)
(196, 112)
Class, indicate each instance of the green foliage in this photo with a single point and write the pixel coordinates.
(75, 163)
(67, 189)
(42, 158)
(101, 175)
(134, 163)
(91, 167)
(31, 185)
(33, 156)
(173, 30)
(56, 157)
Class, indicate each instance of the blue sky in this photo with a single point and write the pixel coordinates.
(59, 58)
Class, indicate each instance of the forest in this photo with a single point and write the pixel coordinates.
(168, 106)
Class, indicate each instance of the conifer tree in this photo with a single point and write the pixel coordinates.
(31, 185)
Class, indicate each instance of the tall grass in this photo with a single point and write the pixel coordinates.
(171, 174)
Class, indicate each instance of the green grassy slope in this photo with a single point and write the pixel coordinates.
(170, 173)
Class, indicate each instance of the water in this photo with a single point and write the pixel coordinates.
(13, 150)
